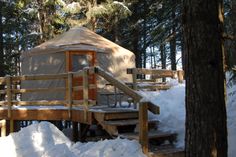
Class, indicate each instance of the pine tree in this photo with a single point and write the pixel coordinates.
(206, 129)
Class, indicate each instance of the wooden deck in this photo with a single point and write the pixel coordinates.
(78, 114)
(115, 121)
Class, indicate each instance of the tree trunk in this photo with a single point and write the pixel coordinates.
(2, 67)
(1, 43)
(163, 59)
(182, 53)
(41, 21)
(173, 40)
(145, 35)
(232, 53)
(206, 130)
(163, 56)
(135, 39)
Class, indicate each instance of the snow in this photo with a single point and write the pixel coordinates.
(172, 112)
(45, 140)
(172, 109)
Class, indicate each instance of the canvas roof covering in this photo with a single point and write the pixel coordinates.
(49, 58)
(77, 38)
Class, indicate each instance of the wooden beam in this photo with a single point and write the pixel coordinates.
(69, 93)
(3, 128)
(157, 87)
(180, 74)
(153, 108)
(143, 126)
(40, 103)
(9, 102)
(78, 88)
(40, 77)
(85, 87)
(47, 114)
(154, 72)
(58, 89)
(134, 77)
(75, 129)
(85, 91)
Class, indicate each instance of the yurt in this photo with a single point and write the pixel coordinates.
(72, 51)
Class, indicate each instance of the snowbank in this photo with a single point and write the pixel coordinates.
(45, 140)
(172, 115)
(172, 109)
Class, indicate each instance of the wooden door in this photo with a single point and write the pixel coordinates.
(77, 61)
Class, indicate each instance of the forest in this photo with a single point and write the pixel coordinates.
(196, 36)
(153, 30)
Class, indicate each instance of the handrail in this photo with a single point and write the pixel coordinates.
(10, 90)
(126, 89)
(155, 74)
(144, 105)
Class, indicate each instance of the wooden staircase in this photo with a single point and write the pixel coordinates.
(122, 122)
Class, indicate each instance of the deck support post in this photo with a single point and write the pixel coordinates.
(134, 76)
(180, 74)
(69, 94)
(75, 131)
(3, 128)
(85, 91)
(143, 126)
(83, 129)
(9, 102)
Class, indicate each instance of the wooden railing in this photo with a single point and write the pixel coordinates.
(13, 91)
(155, 74)
(14, 81)
(144, 106)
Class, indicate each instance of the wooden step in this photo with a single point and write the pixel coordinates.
(152, 135)
(121, 122)
(127, 122)
(115, 114)
(166, 151)
(115, 127)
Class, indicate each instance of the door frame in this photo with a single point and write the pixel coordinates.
(69, 55)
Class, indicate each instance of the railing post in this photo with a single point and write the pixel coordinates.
(85, 86)
(135, 87)
(69, 93)
(180, 74)
(85, 91)
(143, 126)
(9, 102)
(134, 76)
(3, 128)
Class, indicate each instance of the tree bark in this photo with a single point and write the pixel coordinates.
(2, 73)
(173, 40)
(232, 54)
(163, 56)
(206, 129)
(163, 59)
(2, 67)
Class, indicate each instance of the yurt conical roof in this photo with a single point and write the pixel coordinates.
(77, 38)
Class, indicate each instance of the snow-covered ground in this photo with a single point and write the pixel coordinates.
(45, 140)
(172, 107)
